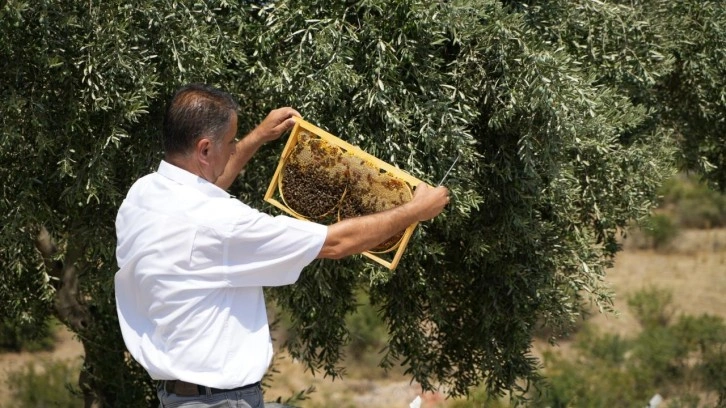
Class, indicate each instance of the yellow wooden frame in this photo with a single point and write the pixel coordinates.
(301, 124)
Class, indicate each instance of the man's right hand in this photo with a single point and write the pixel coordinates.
(429, 201)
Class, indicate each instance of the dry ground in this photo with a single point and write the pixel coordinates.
(67, 348)
(694, 268)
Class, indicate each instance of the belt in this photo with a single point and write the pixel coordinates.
(186, 389)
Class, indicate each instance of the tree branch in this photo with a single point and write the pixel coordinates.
(68, 308)
(48, 250)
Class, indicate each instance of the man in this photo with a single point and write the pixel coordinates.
(193, 260)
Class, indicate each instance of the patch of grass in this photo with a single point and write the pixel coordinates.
(51, 384)
(684, 358)
(16, 336)
(660, 230)
(692, 204)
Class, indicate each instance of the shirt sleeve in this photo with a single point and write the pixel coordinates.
(259, 250)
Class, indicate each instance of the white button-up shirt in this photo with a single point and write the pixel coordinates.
(193, 261)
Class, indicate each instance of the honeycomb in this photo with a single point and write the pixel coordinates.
(322, 182)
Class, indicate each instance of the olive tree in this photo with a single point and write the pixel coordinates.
(667, 56)
(553, 165)
(558, 153)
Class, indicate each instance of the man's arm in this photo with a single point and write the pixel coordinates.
(272, 127)
(356, 235)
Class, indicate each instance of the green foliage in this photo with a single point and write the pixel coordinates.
(652, 307)
(678, 358)
(367, 332)
(668, 56)
(692, 204)
(546, 176)
(50, 385)
(16, 336)
(685, 202)
(296, 398)
(84, 86)
(479, 398)
(660, 230)
(566, 115)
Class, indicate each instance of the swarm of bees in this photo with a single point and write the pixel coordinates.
(313, 181)
(321, 182)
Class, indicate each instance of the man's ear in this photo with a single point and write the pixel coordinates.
(203, 150)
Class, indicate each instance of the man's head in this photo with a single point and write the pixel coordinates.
(199, 131)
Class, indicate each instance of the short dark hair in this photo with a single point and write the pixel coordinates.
(196, 110)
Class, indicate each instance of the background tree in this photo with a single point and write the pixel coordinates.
(667, 56)
(559, 152)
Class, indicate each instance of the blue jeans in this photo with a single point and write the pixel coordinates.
(245, 398)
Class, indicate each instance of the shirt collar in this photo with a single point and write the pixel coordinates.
(186, 178)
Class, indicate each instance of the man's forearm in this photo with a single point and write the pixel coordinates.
(271, 128)
(359, 234)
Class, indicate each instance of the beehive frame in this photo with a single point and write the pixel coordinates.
(273, 192)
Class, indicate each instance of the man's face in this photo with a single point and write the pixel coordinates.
(225, 149)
